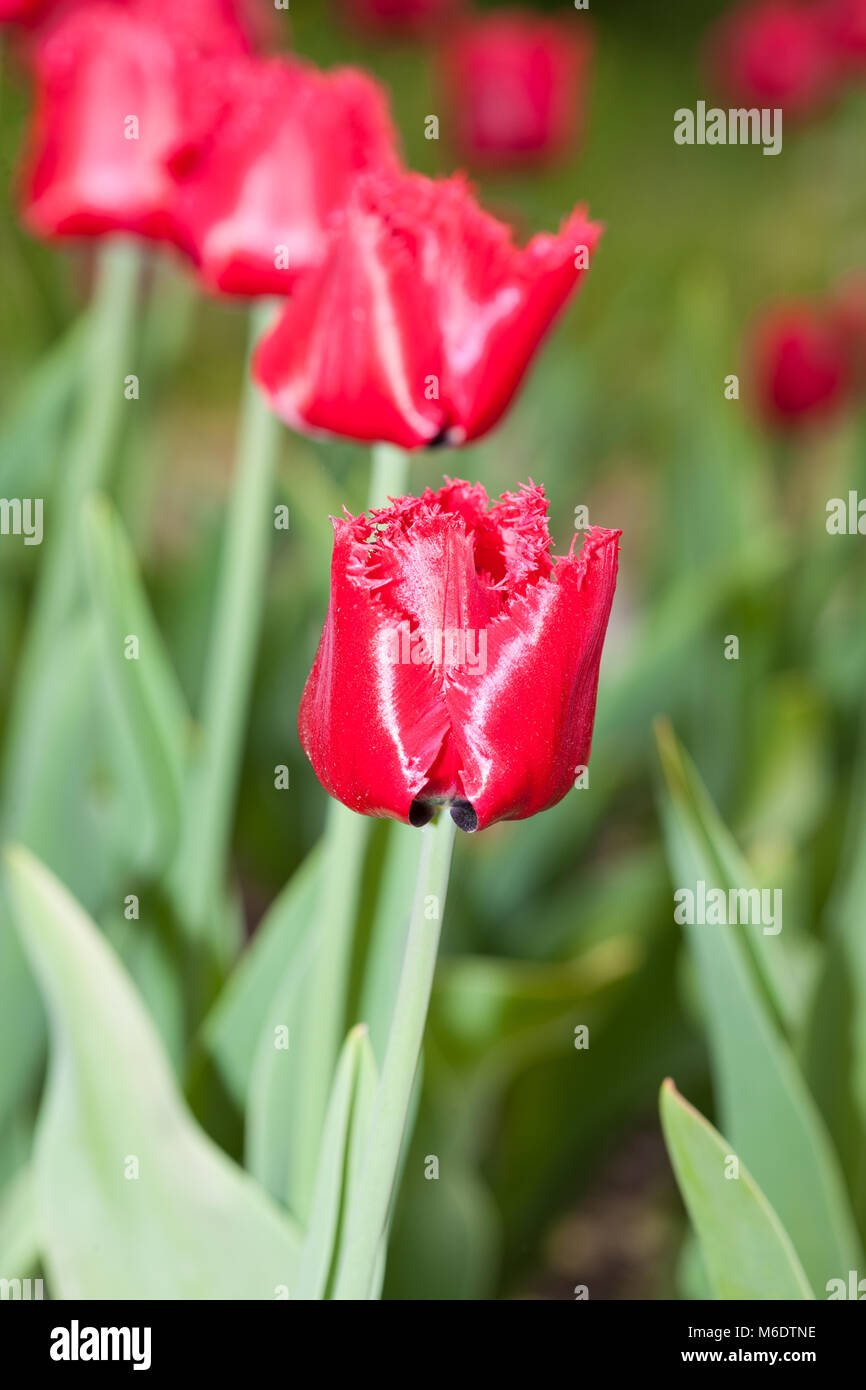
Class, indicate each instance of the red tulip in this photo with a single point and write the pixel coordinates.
(514, 85)
(254, 201)
(459, 661)
(205, 22)
(845, 30)
(118, 89)
(21, 11)
(400, 17)
(802, 366)
(770, 53)
(423, 319)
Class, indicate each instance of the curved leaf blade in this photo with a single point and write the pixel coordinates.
(747, 1251)
(764, 1102)
(134, 1199)
(145, 697)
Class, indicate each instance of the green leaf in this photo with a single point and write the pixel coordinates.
(32, 432)
(291, 1085)
(22, 1021)
(19, 1235)
(746, 1250)
(191, 1224)
(145, 698)
(847, 911)
(233, 1028)
(456, 1223)
(286, 1033)
(60, 808)
(346, 1125)
(764, 1103)
(483, 1005)
(834, 1049)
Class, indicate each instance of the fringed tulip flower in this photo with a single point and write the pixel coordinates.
(514, 86)
(802, 366)
(459, 661)
(118, 90)
(422, 320)
(254, 200)
(772, 53)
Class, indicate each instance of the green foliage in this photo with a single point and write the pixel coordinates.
(747, 1252)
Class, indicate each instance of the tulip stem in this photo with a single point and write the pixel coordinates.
(345, 843)
(389, 474)
(367, 1217)
(85, 468)
(230, 661)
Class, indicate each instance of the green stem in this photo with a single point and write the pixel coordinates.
(230, 663)
(366, 1221)
(344, 851)
(389, 474)
(92, 449)
(345, 844)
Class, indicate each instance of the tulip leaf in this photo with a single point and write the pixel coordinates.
(849, 896)
(834, 1049)
(145, 698)
(764, 1103)
(233, 1027)
(52, 799)
(348, 1118)
(134, 1200)
(31, 433)
(19, 1237)
(22, 1022)
(746, 1251)
(295, 1062)
(271, 1138)
(484, 1007)
(454, 1220)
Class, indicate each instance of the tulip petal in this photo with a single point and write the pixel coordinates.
(524, 726)
(496, 301)
(118, 91)
(371, 727)
(356, 351)
(423, 319)
(254, 201)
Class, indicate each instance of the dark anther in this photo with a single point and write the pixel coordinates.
(421, 813)
(441, 440)
(464, 816)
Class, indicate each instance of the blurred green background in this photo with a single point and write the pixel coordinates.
(554, 1169)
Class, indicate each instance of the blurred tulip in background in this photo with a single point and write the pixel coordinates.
(515, 85)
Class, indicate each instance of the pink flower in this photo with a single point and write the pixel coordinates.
(515, 86)
(802, 365)
(770, 53)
